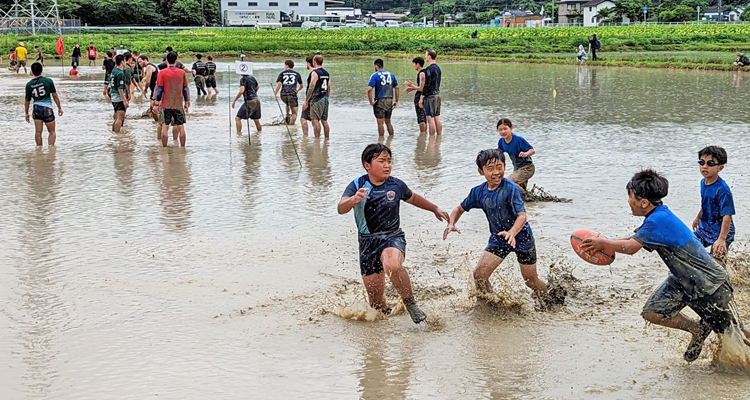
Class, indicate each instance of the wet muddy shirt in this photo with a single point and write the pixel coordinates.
(251, 87)
(501, 206)
(379, 211)
(383, 82)
(290, 81)
(172, 80)
(117, 82)
(433, 77)
(516, 146)
(716, 202)
(680, 249)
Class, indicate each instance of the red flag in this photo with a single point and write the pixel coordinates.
(60, 46)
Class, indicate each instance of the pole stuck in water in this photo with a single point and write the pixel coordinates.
(283, 115)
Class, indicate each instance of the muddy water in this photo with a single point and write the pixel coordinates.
(133, 271)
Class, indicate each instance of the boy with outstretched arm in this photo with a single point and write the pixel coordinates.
(503, 206)
(519, 151)
(713, 225)
(695, 280)
(375, 198)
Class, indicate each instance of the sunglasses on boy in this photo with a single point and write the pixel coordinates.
(711, 163)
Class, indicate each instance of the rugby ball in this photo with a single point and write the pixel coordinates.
(600, 257)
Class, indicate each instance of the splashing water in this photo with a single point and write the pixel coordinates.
(359, 309)
(732, 354)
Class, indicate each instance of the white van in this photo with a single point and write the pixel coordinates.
(391, 24)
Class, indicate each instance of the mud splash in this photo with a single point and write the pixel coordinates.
(538, 194)
(732, 353)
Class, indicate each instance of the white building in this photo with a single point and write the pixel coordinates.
(348, 12)
(288, 7)
(591, 9)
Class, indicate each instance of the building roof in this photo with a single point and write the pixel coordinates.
(594, 3)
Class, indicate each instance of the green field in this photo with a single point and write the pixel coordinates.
(681, 46)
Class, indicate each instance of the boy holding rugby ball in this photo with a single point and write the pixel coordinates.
(503, 206)
(695, 280)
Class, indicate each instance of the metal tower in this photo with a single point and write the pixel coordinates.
(25, 17)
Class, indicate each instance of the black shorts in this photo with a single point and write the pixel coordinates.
(250, 109)
(40, 59)
(75, 61)
(42, 113)
(371, 247)
(118, 106)
(421, 117)
(524, 257)
(22, 63)
(107, 78)
(172, 117)
(211, 81)
(92, 58)
(383, 108)
(290, 99)
(669, 299)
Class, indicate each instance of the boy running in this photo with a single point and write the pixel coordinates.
(305, 116)
(172, 89)
(199, 72)
(713, 225)
(410, 87)
(519, 151)
(290, 83)
(503, 206)
(317, 98)
(40, 89)
(211, 78)
(107, 65)
(21, 53)
(385, 85)
(118, 93)
(695, 280)
(430, 88)
(375, 198)
(251, 107)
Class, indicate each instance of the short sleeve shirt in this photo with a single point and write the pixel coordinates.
(501, 206)
(117, 81)
(433, 76)
(290, 81)
(172, 80)
(200, 68)
(40, 90)
(379, 211)
(696, 271)
(716, 202)
(21, 53)
(250, 85)
(109, 65)
(516, 146)
(128, 74)
(383, 82)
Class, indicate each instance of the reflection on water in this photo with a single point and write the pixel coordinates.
(132, 270)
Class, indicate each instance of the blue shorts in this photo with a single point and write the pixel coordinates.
(371, 247)
(42, 113)
(669, 299)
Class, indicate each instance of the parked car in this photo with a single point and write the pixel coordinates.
(378, 24)
(357, 24)
(418, 25)
(391, 24)
(407, 24)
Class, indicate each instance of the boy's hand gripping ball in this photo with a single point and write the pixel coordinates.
(599, 257)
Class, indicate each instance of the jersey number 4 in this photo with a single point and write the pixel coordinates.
(324, 85)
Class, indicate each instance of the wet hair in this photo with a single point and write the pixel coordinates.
(210, 58)
(716, 152)
(309, 60)
(504, 121)
(199, 56)
(318, 59)
(143, 57)
(432, 53)
(289, 63)
(169, 49)
(119, 59)
(418, 60)
(649, 185)
(379, 63)
(485, 156)
(373, 151)
(171, 57)
(36, 69)
(109, 54)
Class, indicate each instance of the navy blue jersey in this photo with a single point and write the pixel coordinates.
(211, 67)
(379, 211)
(517, 145)
(418, 94)
(501, 206)
(687, 260)
(433, 76)
(716, 202)
(321, 86)
(383, 82)
(251, 87)
(290, 80)
(200, 68)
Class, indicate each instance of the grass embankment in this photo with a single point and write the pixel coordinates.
(677, 46)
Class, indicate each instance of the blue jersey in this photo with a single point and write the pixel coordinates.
(517, 145)
(321, 86)
(379, 211)
(687, 260)
(716, 202)
(501, 207)
(383, 82)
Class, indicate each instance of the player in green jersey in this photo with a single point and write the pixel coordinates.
(41, 89)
